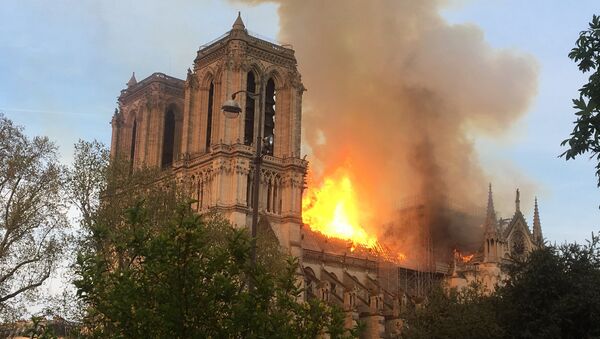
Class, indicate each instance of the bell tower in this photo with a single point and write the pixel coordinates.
(179, 126)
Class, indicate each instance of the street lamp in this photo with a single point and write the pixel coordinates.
(231, 109)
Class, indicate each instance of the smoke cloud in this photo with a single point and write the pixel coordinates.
(394, 94)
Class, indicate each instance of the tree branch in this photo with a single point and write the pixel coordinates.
(25, 288)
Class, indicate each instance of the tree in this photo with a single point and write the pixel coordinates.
(585, 135)
(87, 177)
(188, 278)
(450, 313)
(149, 266)
(553, 293)
(32, 212)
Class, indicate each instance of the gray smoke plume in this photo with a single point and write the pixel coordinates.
(394, 92)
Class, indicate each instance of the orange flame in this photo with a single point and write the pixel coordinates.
(332, 209)
(464, 258)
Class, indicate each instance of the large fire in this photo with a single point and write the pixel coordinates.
(332, 209)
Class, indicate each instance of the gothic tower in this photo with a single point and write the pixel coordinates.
(179, 126)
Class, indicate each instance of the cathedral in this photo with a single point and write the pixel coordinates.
(179, 126)
(503, 239)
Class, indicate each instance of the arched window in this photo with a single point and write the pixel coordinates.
(133, 141)
(211, 92)
(168, 138)
(270, 115)
(250, 103)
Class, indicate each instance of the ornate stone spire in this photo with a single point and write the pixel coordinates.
(239, 24)
(132, 81)
(491, 238)
(491, 223)
(537, 226)
(518, 202)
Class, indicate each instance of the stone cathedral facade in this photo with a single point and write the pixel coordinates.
(503, 240)
(178, 125)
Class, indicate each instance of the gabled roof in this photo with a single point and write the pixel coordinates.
(514, 222)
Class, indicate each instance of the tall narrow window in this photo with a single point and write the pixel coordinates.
(168, 139)
(270, 116)
(275, 207)
(270, 197)
(249, 119)
(211, 93)
(199, 194)
(133, 141)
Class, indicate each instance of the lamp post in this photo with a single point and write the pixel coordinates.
(232, 109)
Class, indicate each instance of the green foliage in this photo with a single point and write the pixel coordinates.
(151, 267)
(467, 313)
(87, 177)
(585, 135)
(553, 293)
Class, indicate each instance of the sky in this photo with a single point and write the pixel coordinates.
(63, 64)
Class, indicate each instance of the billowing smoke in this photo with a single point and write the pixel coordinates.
(395, 93)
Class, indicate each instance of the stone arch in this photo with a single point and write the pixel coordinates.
(274, 73)
(310, 272)
(257, 68)
(131, 115)
(207, 78)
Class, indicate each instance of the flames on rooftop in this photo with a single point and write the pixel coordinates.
(333, 209)
(345, 222)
